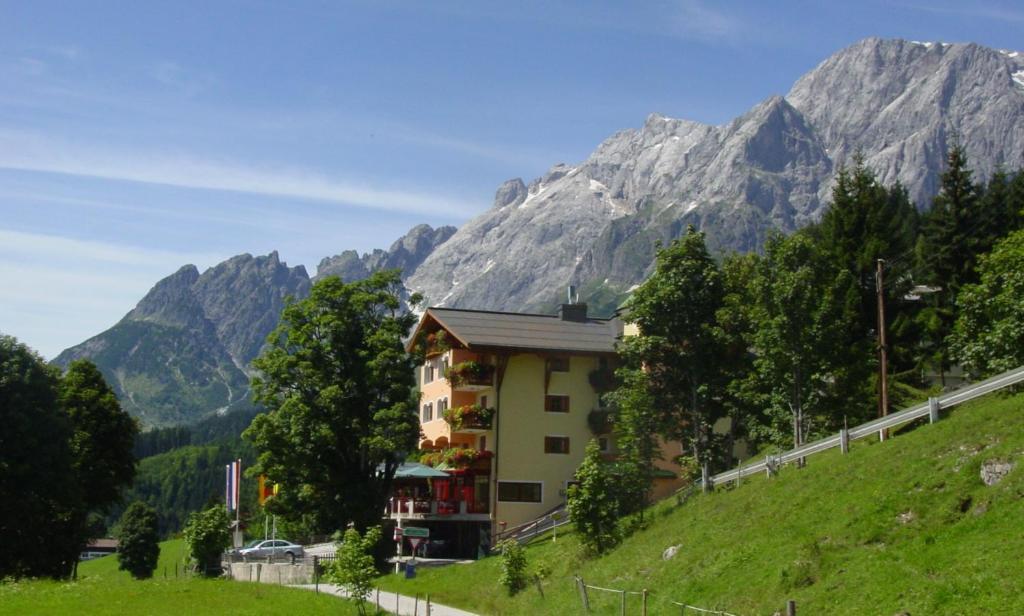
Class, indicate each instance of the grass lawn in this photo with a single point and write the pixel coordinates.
(102, 589)
(905, 525)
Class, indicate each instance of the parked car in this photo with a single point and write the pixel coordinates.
(274, 548)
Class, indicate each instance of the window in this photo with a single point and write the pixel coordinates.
(556, 404)
(444, 365)
(520, 491)
(483, 401)
(556, 444)
(602, 444)
(442, 405)
(428, 372)
(483, 443)
(428, 412)
(558, 364)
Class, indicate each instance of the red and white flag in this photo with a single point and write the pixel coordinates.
(234, 477)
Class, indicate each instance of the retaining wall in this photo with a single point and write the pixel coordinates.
(277, 573)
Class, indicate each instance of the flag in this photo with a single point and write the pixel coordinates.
(267, 489)
(233, 474)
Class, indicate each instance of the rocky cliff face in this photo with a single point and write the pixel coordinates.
(185, 350)
(406, 254)
(596, 224)
(902, 103)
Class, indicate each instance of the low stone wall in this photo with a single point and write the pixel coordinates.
(277, 573)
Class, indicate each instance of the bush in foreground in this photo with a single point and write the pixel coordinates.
(207, 536)
(354, 569)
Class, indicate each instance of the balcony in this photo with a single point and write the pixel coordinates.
(408, 507)
(470, 376)
(458, 458)
(437, 343)
(471, 418)
(601, 421)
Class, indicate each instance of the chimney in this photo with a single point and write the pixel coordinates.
(573, 312)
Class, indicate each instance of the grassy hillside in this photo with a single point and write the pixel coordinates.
(905, 525)
(102, 589)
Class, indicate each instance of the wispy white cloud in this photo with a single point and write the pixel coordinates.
(42, 274)
(972, 9)
(30, 152)
(695, 19)
(31, 247)
(189, 82)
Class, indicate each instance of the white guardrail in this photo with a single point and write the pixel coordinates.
(928, 409)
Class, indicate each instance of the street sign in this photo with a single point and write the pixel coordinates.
(413, 531)
(415, 541)
(398, 534)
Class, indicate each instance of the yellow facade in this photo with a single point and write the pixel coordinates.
(524, 423)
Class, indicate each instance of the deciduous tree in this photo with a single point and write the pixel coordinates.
(677, 346)
(341, 397)
(138, 541)
(592, 502)
(988, 336)
(207, 535)
(39, 490)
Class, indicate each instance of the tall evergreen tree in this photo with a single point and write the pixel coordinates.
(866, 222)
(948, 255)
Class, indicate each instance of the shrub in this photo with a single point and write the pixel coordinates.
(513, 566)
(354, 568)
(207, 536)
(139, 541)
(592, 503)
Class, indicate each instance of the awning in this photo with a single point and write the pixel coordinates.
(415, 470)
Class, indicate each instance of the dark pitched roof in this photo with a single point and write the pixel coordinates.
(484, 329)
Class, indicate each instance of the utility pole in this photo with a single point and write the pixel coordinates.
(883, 400)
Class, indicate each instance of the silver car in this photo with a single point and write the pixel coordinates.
(274, 548)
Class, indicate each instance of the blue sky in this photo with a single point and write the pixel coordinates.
(136, 137)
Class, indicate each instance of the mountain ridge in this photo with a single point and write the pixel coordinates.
(597, 224)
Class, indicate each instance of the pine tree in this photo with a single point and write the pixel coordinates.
(948, 253)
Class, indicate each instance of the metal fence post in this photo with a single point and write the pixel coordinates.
(316, 574)
(790, 608)
(933, 409)
(705, 478)
(844, 440)
(643, 604)
(622, 609)
(583, 594)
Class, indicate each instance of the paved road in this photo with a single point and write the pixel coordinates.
(406, 606)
